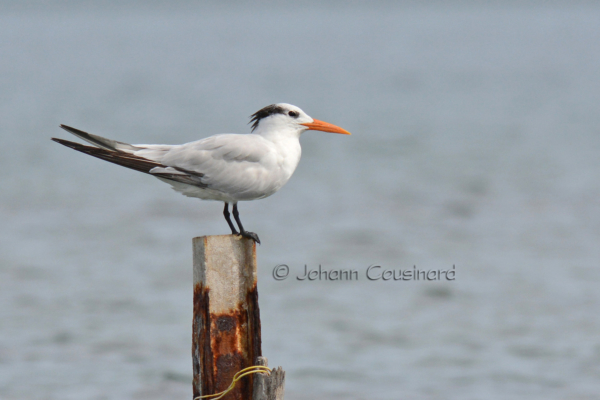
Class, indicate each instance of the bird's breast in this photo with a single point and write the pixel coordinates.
(274, 171)
(288, 157)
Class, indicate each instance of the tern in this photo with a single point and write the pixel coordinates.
(226, 167)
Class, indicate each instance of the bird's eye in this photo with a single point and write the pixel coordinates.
(293, 114)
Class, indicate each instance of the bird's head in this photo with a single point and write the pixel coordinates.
(285, 118)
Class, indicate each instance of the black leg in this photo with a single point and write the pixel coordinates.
(244, 233)
(228, 219)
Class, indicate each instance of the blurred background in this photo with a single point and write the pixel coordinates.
(476, 142)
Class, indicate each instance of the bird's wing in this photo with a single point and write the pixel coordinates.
(137, 163)
(229, 163)
(124, 154)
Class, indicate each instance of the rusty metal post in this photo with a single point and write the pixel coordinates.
(226, 324)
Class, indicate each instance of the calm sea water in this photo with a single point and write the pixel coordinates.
(476, 142)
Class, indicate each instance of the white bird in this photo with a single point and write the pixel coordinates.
(225, 167)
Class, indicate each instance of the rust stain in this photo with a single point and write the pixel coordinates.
(226, 323)
(201, 350)
(224, 343)
(254, 323)
(229, 355)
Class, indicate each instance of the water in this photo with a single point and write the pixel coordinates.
(475, 144)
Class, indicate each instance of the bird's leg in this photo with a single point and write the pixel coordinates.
(244, 233)
(228, 219)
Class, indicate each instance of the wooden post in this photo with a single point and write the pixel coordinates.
(226, 325)
(268, 387)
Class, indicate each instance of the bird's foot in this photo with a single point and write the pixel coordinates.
(250, 235)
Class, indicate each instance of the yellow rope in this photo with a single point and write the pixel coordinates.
(239, 375)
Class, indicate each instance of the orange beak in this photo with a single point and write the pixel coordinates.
(317, 125)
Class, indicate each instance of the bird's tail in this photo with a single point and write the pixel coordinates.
(101, 142)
